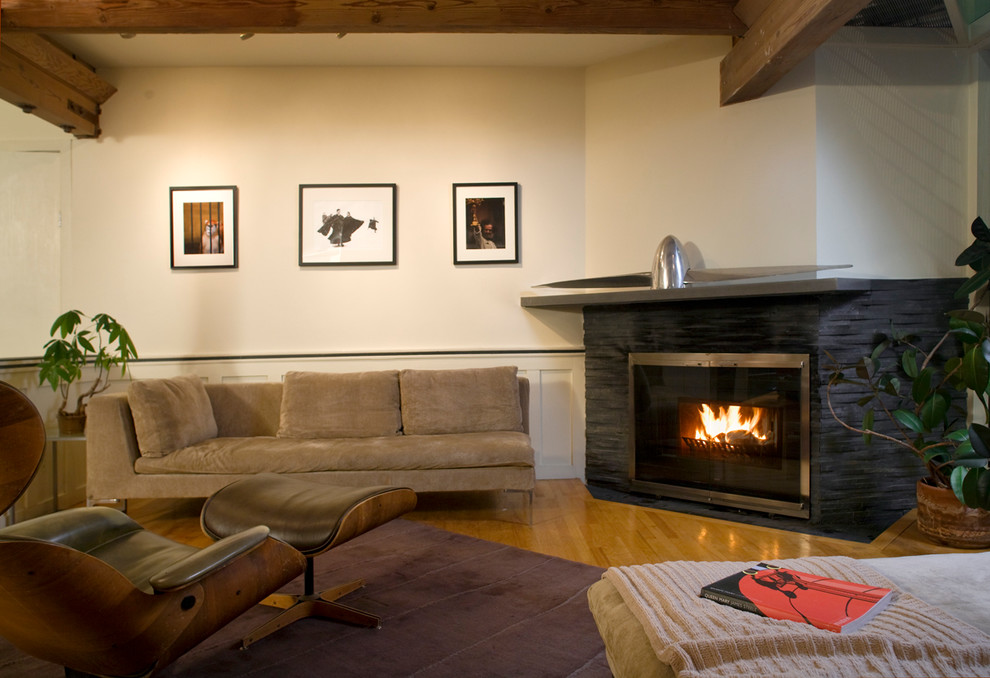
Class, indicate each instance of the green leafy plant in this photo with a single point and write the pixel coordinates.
(77, 340)
(923, 392)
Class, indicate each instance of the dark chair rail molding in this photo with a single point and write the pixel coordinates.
(31, 362)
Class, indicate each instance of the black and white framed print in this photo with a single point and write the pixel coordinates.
(486, 223)
(347, 224)
(204, 226)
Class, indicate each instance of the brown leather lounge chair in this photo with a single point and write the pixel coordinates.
(90, 589)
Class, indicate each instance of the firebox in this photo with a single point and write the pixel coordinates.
(722, 428)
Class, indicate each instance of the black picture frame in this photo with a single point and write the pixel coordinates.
(203, 226)
(328, 234)
(486, 223)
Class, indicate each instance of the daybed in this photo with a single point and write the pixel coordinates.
(429, 430)
(655, 625)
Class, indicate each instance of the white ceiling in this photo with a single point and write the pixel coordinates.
(149, 50)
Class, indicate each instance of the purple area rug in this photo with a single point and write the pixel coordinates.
(452, 606)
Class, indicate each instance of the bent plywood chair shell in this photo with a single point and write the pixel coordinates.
(90, 589)
(21, 429)
(70, 608)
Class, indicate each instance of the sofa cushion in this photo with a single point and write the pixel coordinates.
(259, 454)
(460, 401)
(170, 414)
(329, 405)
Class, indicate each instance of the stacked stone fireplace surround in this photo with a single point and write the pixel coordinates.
(852, 485)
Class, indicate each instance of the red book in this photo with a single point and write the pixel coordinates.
(780, 593)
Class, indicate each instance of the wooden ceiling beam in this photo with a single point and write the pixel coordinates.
(750, 10)
(40, 78)
(709, 17)
(782, 35)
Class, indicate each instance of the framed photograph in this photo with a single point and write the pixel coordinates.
(486, 223)
(346, 224)
(204, 226)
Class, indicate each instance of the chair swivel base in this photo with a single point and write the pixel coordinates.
(322, 605)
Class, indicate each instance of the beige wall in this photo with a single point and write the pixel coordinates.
(896, 150)
(736, 185)
(269, 130)
(861, 155)
(609, 159)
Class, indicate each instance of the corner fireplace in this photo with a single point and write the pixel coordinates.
(725, 428)
(825, 319)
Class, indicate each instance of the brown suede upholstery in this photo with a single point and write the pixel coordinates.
(460, 401)
(248, 418)
(285, 455)
(356, 405)
(170, 414)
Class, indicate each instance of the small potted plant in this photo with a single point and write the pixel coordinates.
(77, 340)
(921, 393)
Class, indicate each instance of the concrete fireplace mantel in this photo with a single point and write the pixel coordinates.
(694, 292)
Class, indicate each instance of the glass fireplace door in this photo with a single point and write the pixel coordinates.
(721, 428)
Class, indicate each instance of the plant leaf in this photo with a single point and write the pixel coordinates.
(933, 411)
(922, 386)
(979, 437)
(959, 435)
(973, 284)
(868, 417)
(909, 362)
(909, 420)
(866, 368)
(979, 230)
(956, 480)
(880, 348)
(975, 370)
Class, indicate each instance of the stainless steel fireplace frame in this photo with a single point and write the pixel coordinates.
(797, 509)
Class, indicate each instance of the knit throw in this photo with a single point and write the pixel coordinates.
(700, 638)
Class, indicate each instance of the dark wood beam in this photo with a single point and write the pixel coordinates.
(782, 35)
(750, 10)
(709, 17)
(40, 78)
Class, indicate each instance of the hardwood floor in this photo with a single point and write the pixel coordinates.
(569, 523)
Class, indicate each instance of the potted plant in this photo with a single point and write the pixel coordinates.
(916, 397)
(77, 340)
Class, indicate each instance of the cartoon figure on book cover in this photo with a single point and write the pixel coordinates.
(805, 597)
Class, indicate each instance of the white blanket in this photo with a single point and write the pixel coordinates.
(700, 638)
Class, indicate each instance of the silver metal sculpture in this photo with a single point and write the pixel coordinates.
(671, 271)
(669, 265)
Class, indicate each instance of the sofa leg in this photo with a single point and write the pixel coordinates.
(528, 501)
(116, 503)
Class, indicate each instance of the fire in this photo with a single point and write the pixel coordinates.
(729, 425)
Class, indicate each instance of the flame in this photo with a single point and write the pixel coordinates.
(730, 419)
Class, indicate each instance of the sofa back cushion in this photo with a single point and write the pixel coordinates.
(460, 401)
(246, 409)
(329, 405)
(170, 414)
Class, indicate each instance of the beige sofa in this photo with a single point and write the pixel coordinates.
(430, 430)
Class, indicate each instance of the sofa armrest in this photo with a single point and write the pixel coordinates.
(111, 445)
